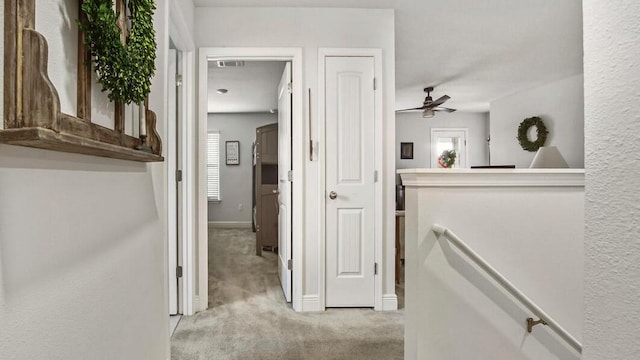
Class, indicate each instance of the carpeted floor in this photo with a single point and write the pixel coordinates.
(248, 317)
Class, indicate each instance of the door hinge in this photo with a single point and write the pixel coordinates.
(179, 271)
(178, 80)
(375, 176)
(290, 88)
(375, 85)
(375, 268)
(178, 175)
(290, 175)
(289, 264)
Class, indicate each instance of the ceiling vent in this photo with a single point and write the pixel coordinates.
(227, 63)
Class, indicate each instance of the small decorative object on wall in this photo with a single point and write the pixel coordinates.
(541, 131)
(447, 159)
(406, 150)
(232, 152)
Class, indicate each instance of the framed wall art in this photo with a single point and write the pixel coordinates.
(232, 152)
(406, 150)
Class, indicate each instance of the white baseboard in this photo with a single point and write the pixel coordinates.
(311, 303)
(197, 305)
(389, 302)
(230, 224)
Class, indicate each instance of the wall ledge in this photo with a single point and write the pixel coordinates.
(492, 177)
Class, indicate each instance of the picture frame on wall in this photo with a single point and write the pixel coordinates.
(232, 152)
(406, 150)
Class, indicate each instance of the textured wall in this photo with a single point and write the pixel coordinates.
(560, 104)
(236, 180)
(612, 125)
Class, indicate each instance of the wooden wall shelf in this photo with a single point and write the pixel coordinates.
(42, 138)
(32, 115)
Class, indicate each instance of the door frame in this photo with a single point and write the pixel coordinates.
(172, 156)
(379, 168)
(183, 41)
(294, 55)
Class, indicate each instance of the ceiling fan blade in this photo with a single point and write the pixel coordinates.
(418, 108)
(444, 109)
(440, 101)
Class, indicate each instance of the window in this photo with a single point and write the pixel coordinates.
(213, 165)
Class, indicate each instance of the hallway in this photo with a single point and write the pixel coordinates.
(248, 317)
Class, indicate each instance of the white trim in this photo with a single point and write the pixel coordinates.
(196, 302)
(171, 160)
(298, 154)
(379, 167)
(389, 302)
(183, 40)
(178, 28)
(311, 303)
(492, 177)
(189, 184)
(230, 224)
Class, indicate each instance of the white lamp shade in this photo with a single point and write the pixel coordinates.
(428, 113)
(548, 157)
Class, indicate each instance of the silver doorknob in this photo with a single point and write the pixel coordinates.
(333, 195)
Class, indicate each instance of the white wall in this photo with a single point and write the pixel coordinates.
(82, 246)
(612, 124)
(411, 127)
(236, 180)
(453, 310)
(311, 29)
(560, 104)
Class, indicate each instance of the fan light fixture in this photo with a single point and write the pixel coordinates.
(428, 113)
(429, 106)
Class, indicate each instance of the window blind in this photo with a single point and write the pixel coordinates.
(213, 165)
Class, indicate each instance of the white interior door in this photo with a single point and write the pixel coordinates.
(172, 188)
(284, 184)
(350, 177)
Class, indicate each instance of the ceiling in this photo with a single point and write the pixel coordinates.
(474, 51)
(251, 88)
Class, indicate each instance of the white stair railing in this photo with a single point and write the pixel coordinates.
(509, 287)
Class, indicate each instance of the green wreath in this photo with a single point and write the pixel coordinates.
(447, 158)
(523, 129)
(124, 71)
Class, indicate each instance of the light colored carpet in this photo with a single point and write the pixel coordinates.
(248, 317)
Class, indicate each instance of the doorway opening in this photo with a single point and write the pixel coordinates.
(249, 167)
(250, 186)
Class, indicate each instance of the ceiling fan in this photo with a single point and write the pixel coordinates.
(430, 107)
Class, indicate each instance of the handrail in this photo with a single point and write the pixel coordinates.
(507, 285)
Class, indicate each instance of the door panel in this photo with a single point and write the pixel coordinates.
(350, 188)
(284, 185)
(350, 242)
